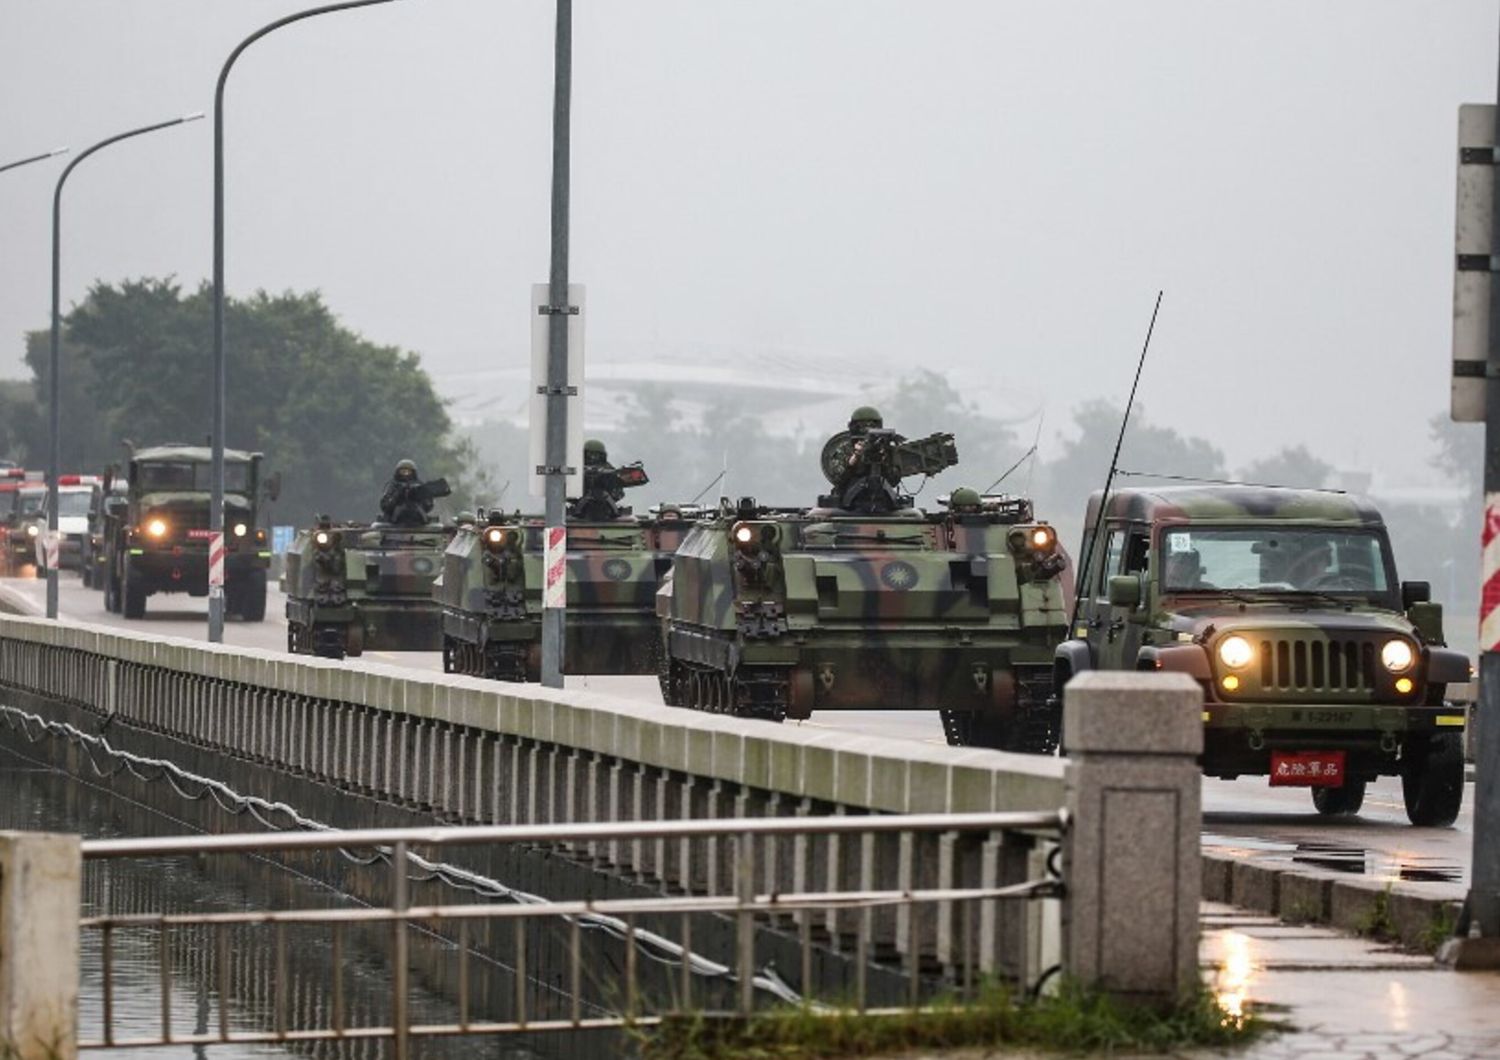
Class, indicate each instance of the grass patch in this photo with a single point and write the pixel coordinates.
(1439, 929)
(1376, 923)
(1072, 1021)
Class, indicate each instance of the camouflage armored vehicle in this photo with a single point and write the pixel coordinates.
(357, 586)
(1318, 667)
(157, 542)
(868, 603)
(491, 587)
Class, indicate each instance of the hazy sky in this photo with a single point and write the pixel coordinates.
(991, 186)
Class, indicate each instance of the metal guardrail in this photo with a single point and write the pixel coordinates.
(958, 913)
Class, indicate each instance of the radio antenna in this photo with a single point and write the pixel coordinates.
(1114, 463)
(1036, 443)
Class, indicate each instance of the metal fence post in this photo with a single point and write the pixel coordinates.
(40, 892)
(1133, 866)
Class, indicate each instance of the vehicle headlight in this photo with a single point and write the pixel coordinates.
(1042, 538)
(743, 534)
(322, 538)
(32, 530)
(1397, 656)
(1235, 652)
(156, 528)
(240, 529)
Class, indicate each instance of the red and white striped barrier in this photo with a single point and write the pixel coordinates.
(555, 594)
(215, 560)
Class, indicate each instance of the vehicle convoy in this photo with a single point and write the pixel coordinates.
(1318, 667)
(73, 496)
(491, 586)
(102, 504)
(356, 586)
(158, 540)
(868, 603)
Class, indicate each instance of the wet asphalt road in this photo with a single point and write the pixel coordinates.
(1243, 815)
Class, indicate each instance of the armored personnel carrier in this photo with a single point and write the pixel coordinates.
(357, 586)
(868, 603)
(490, 591)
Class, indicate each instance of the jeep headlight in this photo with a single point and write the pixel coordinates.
(1235, 652)
(1397, 656)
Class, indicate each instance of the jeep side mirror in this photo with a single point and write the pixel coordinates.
(1125, 591)
(1413, 593)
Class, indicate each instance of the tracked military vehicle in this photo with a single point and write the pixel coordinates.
(491, 587)
(868, 603)
(357, 586)
(1319, 669)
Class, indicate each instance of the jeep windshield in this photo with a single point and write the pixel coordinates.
(1284, 561)
(170, 476)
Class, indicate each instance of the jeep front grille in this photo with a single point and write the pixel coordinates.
(1317, 666)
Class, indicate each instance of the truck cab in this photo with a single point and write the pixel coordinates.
(1319, 668)
(158, 542)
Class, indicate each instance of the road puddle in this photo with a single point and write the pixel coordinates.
(1384, 866)
(1236, 969)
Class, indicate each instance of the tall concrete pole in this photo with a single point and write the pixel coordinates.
(558, 310)
(1484, 888)
(54, 360)
(216, 440)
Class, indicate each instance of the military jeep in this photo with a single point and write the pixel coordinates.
(1319, 669)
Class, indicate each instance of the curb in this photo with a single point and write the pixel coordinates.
(13, 602)
(1358, 905)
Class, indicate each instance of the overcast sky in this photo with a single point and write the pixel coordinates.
(992, 186)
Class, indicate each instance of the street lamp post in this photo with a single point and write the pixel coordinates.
(34, 158)
(216, 501)
(54, 427)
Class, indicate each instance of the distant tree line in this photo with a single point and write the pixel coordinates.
(331, 410)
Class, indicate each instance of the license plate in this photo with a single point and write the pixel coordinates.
(1307, 769)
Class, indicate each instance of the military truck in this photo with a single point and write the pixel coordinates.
(491, 586)
(866, 602)
(1319, 668)
(157, 542)
(357, 586)
(24, 522)
(102, 504)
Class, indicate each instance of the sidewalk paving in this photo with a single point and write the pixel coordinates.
(1346, 997)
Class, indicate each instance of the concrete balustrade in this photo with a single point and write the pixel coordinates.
(466, 750)
(40, 889)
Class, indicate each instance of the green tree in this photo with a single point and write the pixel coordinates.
(331, 410)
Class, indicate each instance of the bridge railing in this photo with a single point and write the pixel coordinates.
(700, 951)
(346, 744)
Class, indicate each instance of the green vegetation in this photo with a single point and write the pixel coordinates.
(1073, 1021)
(1376, 922)
(331, 410)
(1439, 929)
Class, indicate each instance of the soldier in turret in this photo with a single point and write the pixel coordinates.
(604, 485)
(866, 463)
(405, 502)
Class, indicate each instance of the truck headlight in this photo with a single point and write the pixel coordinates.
(1235, 652)
(240, 529)
(156, 528)
(32, 530)
(1397, 656)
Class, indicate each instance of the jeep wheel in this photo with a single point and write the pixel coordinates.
(1340, 802)
(133, 592)
(1432, 781)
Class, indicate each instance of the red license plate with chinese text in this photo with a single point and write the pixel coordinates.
(200, 535)
(1307, 769)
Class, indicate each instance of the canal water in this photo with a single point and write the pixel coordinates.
(186, 965)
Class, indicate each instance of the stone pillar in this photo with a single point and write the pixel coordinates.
(1132, 863)
(40, 880)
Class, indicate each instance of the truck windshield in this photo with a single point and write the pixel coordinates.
(165, 475)
(1274, 559)
(72, 503)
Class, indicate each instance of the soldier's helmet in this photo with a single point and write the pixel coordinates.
(964, 499)
(865, 418)
(594, 453)
(405, 469)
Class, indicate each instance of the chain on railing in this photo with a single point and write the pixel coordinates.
(947, 955)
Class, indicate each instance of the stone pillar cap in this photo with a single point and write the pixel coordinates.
(1133, 712)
